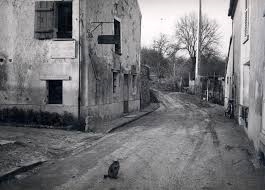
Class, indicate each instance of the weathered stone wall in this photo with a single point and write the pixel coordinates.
(99, 61)
(145, 86)
(28, 62)
(29, 59)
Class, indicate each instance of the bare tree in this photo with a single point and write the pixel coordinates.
(186, 34)
(167, 53)
(161, 44)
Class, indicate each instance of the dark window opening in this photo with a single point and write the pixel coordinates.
(53, 20)
(244, 115)
(117, 34)
(115, 82)
(55, 92)
(64, 19)
(134, 82)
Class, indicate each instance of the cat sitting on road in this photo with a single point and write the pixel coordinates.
(113, 170)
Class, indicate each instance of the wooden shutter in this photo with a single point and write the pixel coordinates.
(246, 18)
(44, 19)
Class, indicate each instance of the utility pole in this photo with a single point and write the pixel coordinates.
(199, 37)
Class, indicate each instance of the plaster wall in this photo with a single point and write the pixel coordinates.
(257, 59)
(28, 63)
(236, 48)
(245, 58)
(99, 61)
(249, 58)
(229, 76)
(29, 59)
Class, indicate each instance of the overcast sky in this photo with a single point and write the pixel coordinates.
(160, 16)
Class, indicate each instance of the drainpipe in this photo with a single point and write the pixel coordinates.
(79, 62)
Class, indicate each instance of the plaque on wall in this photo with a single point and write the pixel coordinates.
(63, 49)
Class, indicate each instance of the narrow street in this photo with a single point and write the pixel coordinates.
(186, 144)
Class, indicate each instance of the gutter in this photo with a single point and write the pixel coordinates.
(79, 62)
(232, 8)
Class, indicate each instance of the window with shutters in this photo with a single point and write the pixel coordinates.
(117, 34)
(53, 19)
(246, 21)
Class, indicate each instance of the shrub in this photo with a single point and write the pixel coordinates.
(5, 115)
(68, 118)
(31, 117)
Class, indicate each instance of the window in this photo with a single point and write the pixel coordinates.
(55, 91)
(115, 82)
(117, 34)
(246, 29)
(53, 19)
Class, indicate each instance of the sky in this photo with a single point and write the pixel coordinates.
(160, 16)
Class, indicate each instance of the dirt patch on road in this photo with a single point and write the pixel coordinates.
(38, 144)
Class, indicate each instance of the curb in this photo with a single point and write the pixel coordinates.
(18, 170)
(133, 119)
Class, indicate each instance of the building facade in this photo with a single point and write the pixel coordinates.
(78, 56)
(245, 69)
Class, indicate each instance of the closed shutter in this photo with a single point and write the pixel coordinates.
(246, 32)
(44, 20)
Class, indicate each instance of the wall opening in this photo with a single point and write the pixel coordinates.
(55, 91)
(64, 17)
(117, 34)
(134, 84)
(53, 19)
(126, 94)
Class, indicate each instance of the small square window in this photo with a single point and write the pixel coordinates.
(55, 91)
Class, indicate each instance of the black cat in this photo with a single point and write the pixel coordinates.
(113, 170)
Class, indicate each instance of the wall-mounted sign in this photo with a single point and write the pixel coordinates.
(63, 49)
(108, 39)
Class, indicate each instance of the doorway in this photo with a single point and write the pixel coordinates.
(126, 94)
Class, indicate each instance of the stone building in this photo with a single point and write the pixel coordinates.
(78, 56)
(245, 69)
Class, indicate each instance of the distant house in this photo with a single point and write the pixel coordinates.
(78, 56)
(245, 69)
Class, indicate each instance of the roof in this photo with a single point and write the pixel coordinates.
(232, 8)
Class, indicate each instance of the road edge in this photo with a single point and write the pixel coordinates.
(18, 170)
(144, 113)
